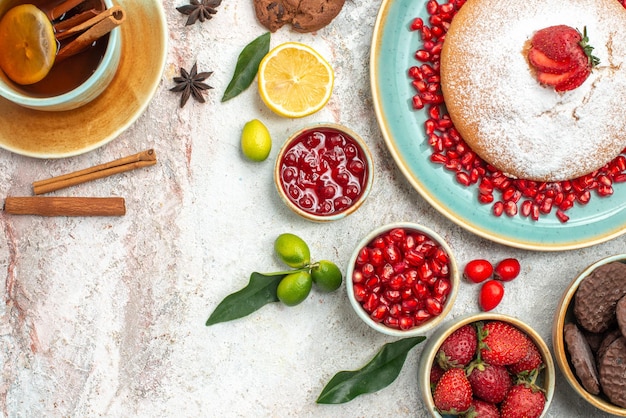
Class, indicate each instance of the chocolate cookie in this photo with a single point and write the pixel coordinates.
(597, 296)
(609, 337)
(620, 313)
(612, 370)
(303, 15)
(582, 358)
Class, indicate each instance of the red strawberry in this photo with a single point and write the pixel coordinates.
(489, 383)
(561, 57)
(523, 401)
(501, 344)
(556, 41)
(453, 393)
(482, 409)
(543, 63)
(435, 373)
(530, 362)
(459, 348)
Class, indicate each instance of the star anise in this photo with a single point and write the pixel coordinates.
(191, 84)
(199, 10)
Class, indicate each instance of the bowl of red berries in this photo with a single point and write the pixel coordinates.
(402, 279)
(486, 364)
(324, 172)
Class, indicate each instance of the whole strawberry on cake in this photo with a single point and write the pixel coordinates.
(535, 88)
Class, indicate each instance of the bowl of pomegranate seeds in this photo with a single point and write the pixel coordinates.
(324, 172)
(487, 364)
(402, 279)
(589, 334)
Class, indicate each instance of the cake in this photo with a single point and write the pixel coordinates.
(526, 129)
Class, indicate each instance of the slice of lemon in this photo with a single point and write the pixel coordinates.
(295, 80)
(27, 43)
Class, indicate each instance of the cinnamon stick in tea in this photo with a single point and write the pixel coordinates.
(139, 160)
(65, 206)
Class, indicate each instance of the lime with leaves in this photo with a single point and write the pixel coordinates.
(292, 250)
(326, 276)
(294, 288)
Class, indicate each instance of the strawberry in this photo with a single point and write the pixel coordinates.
(561, 57)
(523, 401)
(435, 374)
(453, 393)
(501, 344)
(482, 409)
(530, 362)
(556, 41)
(543, 63)
(459, 348)
(489, 383)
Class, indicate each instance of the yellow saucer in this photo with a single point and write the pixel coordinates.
(63, 134)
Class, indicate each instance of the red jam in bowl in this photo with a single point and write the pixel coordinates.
(323, 171)
(402, 278)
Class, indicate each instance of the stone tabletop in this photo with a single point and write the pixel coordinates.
(105, 317)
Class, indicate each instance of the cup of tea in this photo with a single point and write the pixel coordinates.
(66, 52)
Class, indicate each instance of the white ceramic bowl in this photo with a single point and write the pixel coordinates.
(365, 188)
(84, 93)
(453, 277)
(564, 314)
(547, 377)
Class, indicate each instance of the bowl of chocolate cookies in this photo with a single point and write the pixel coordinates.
(589, 334)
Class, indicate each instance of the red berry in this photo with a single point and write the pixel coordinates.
(523, 401)
(477, 271)
(491, 294)
(453, 393)
(532, 361)
(490, 383)
(507, 269)
(482, 409)
(501, 343)
(459, 348)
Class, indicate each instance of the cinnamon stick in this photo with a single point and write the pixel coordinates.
(65, 206)
(139, 160)
(62, 8)
(92, 30)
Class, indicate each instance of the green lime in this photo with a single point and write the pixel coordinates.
(326, 276)
(256, 142)
(292, 250)
(294, 288)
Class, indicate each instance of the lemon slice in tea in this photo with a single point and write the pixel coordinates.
(27, 43)
(295, 80)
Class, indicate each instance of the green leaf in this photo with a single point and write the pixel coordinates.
(260, 291)
(380, 372)
(247, 66)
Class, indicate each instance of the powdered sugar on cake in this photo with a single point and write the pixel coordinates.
(523, 128)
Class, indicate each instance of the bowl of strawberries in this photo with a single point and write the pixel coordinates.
(489, 364)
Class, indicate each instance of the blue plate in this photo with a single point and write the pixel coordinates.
(392, 54)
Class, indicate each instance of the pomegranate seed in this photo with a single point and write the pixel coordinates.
(510, 208)
(498, 208)
(422, 55)
(417, 24)
(562, 216)
(485, 198)
(379, 313)
(463, 178)
(417, 102)
(406, 322)
(431, 7)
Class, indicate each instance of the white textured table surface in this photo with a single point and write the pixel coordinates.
(105, 316)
